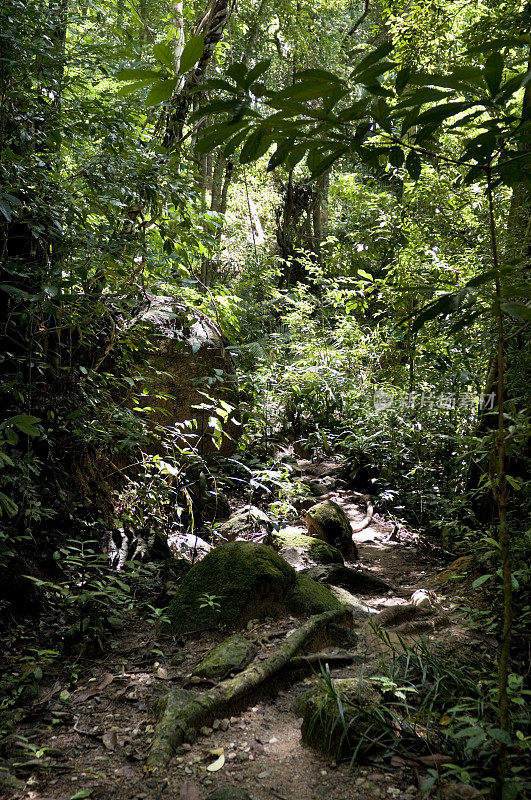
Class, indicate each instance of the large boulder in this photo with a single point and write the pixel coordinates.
(328, 521)
(185, 357)
(297, 547)
(234, 583)
(241, 581)
(245, 521)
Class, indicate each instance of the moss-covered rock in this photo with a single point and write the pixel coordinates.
(310, 597)
(355, 580)
(233, 654)
(248, 519)
(322, 726)
(328, 521)
(245, 580)
(314, 549)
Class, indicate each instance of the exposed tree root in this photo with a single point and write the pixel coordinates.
(183, 712)
(366, 521)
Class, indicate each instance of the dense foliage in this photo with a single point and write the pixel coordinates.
(345, 189)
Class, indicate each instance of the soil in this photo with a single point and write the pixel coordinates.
(88, 734)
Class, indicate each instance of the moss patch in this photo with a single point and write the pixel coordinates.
(310, 597)
(328, 521)
(234, 653)
(317, 550)
(248, 580)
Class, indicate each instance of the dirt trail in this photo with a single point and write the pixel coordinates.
(99, 736)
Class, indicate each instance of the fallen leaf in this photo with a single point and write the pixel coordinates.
(81, 794)
(218, 763)
(93, 690)
(163, 674)
(110, 740)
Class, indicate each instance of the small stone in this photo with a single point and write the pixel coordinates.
(273, 740)
(224, 724)
(250, 625)
(264, 774)
(216, 724)
(324, 772)
(234, 720)
(205, 730)
(186, 746)
(242, 756)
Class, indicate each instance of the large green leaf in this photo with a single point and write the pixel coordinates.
(131, 88)
(256, 145)
(137, 74)
(161, 92)
(164, 54)
(372, 58)
(304, 90)
(25, 423)
(518, 311)
(257, 71)
(444, 111)
(493, 72)
(192, 52)
(413, 165)
(325, 163)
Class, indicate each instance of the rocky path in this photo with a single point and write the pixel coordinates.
(90, 735)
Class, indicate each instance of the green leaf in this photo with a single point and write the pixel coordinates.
(192, 52)
(9, 505)
(80, 795)
(402, 80)
(480, 581)
(327, 162)
(519, 311)
(256, 145)
(513, 482)
(280, 155)
(131, 88)
(413, 165)
(493, 72)
(25, 423)
(238, 73)
(500, 735)
(257, 70)
(372, 58)
(235, 141)
(396, 156)
(305, 90)
(444, 111)
(161, 92)
(164, 53)
(137, 74)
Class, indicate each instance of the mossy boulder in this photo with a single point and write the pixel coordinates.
(355, 580)
(323, 728)
(310, 597)
(244, 581)
(309, 547)
(328, 521)
(233, 654)
(246, 520)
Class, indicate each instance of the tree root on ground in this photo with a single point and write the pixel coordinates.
(183, 712)
(366, 521)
